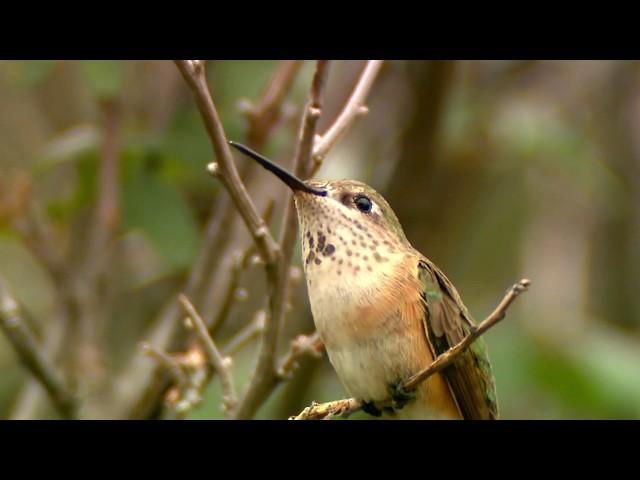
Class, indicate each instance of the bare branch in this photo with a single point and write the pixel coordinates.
(246, 334)
(188, 398)
(265, 377)
(222, 365)
(301, 345)
(106, 216)
(31, 356)
(323, 411)
(304, 148)
(348, 406)
(354, 107)
(143, 387)
(194, 74)
(240, 261)
(168, 362)
(192, 373)
(264, 115)
(88, 304)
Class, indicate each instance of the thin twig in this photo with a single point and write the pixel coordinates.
(239, 263)
(144, 386)
(354, 107)
(190, 397)
(450, 355)
(107, 212)
(142, 383)
(264, 114)
(193, 72)
(301, 345)
(88, 303)
(304, 147)
(38, 235)
(348, 406)
(31, 356)
(322, 411)
(191, 372)
(265, 377)
(246, 334)
(222, 365)
(168, 362)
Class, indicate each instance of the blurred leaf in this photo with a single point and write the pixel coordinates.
(68, 146)
(593, 380)
(64, 207)
(105, 77)
(157, 209)
(186, 146)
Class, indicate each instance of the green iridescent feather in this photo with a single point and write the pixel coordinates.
(447, 322)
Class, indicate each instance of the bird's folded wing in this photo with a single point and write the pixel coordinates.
(447, 322)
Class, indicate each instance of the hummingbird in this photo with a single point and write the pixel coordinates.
(382, 309)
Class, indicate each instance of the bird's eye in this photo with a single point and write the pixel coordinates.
(363, 203)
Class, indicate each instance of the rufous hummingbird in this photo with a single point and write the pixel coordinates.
(383, 310)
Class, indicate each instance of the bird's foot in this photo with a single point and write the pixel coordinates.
(371, 409)
(400, 395)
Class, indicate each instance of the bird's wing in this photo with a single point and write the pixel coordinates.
(447, 322)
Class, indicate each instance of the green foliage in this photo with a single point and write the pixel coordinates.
(104, 77)
(155, 207)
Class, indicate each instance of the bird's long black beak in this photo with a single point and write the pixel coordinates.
(292, 181)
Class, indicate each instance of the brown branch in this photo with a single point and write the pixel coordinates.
(168, 362)
(265, 377)
(38, 235)
(263, 116)
(142, 384)
(246, 334)
(193, 72)
(450, 355)
(107, 212)
(323, 411)
(163, 331)
(191, 373)
(301, 345)
(222, 365)
(239, 263)
(88, 304)
(348, 406)
(31, 356)
(354, 107)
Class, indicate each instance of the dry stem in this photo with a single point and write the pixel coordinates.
(265, 113)
(354, 107)
(301, 345)
(265, 377)
(193, 72)
(23, 342)
(222, 365)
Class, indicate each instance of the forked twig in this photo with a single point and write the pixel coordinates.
(222, 365)
(354, 107)
(23, 342)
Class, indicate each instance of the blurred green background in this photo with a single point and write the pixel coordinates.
(498, 170)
